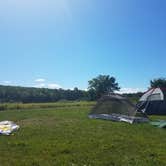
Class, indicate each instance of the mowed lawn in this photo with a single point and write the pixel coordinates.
(64, 136)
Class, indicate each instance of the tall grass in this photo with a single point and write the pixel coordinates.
(18, 106)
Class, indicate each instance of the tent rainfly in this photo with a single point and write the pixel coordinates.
(153, 102)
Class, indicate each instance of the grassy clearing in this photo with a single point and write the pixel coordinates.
(65, 136)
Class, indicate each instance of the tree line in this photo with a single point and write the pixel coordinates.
(101, 85)
(36, 95)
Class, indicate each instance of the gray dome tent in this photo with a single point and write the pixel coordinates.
(153, 102)
(117, 108)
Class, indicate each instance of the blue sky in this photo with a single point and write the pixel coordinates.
(65, 43)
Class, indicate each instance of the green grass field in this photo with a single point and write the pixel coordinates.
(64, 136)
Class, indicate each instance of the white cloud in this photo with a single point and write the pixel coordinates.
(40, 80)
(68, 88)
(53, 86)
(7, 82)
(131, 90)
(41, 85)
